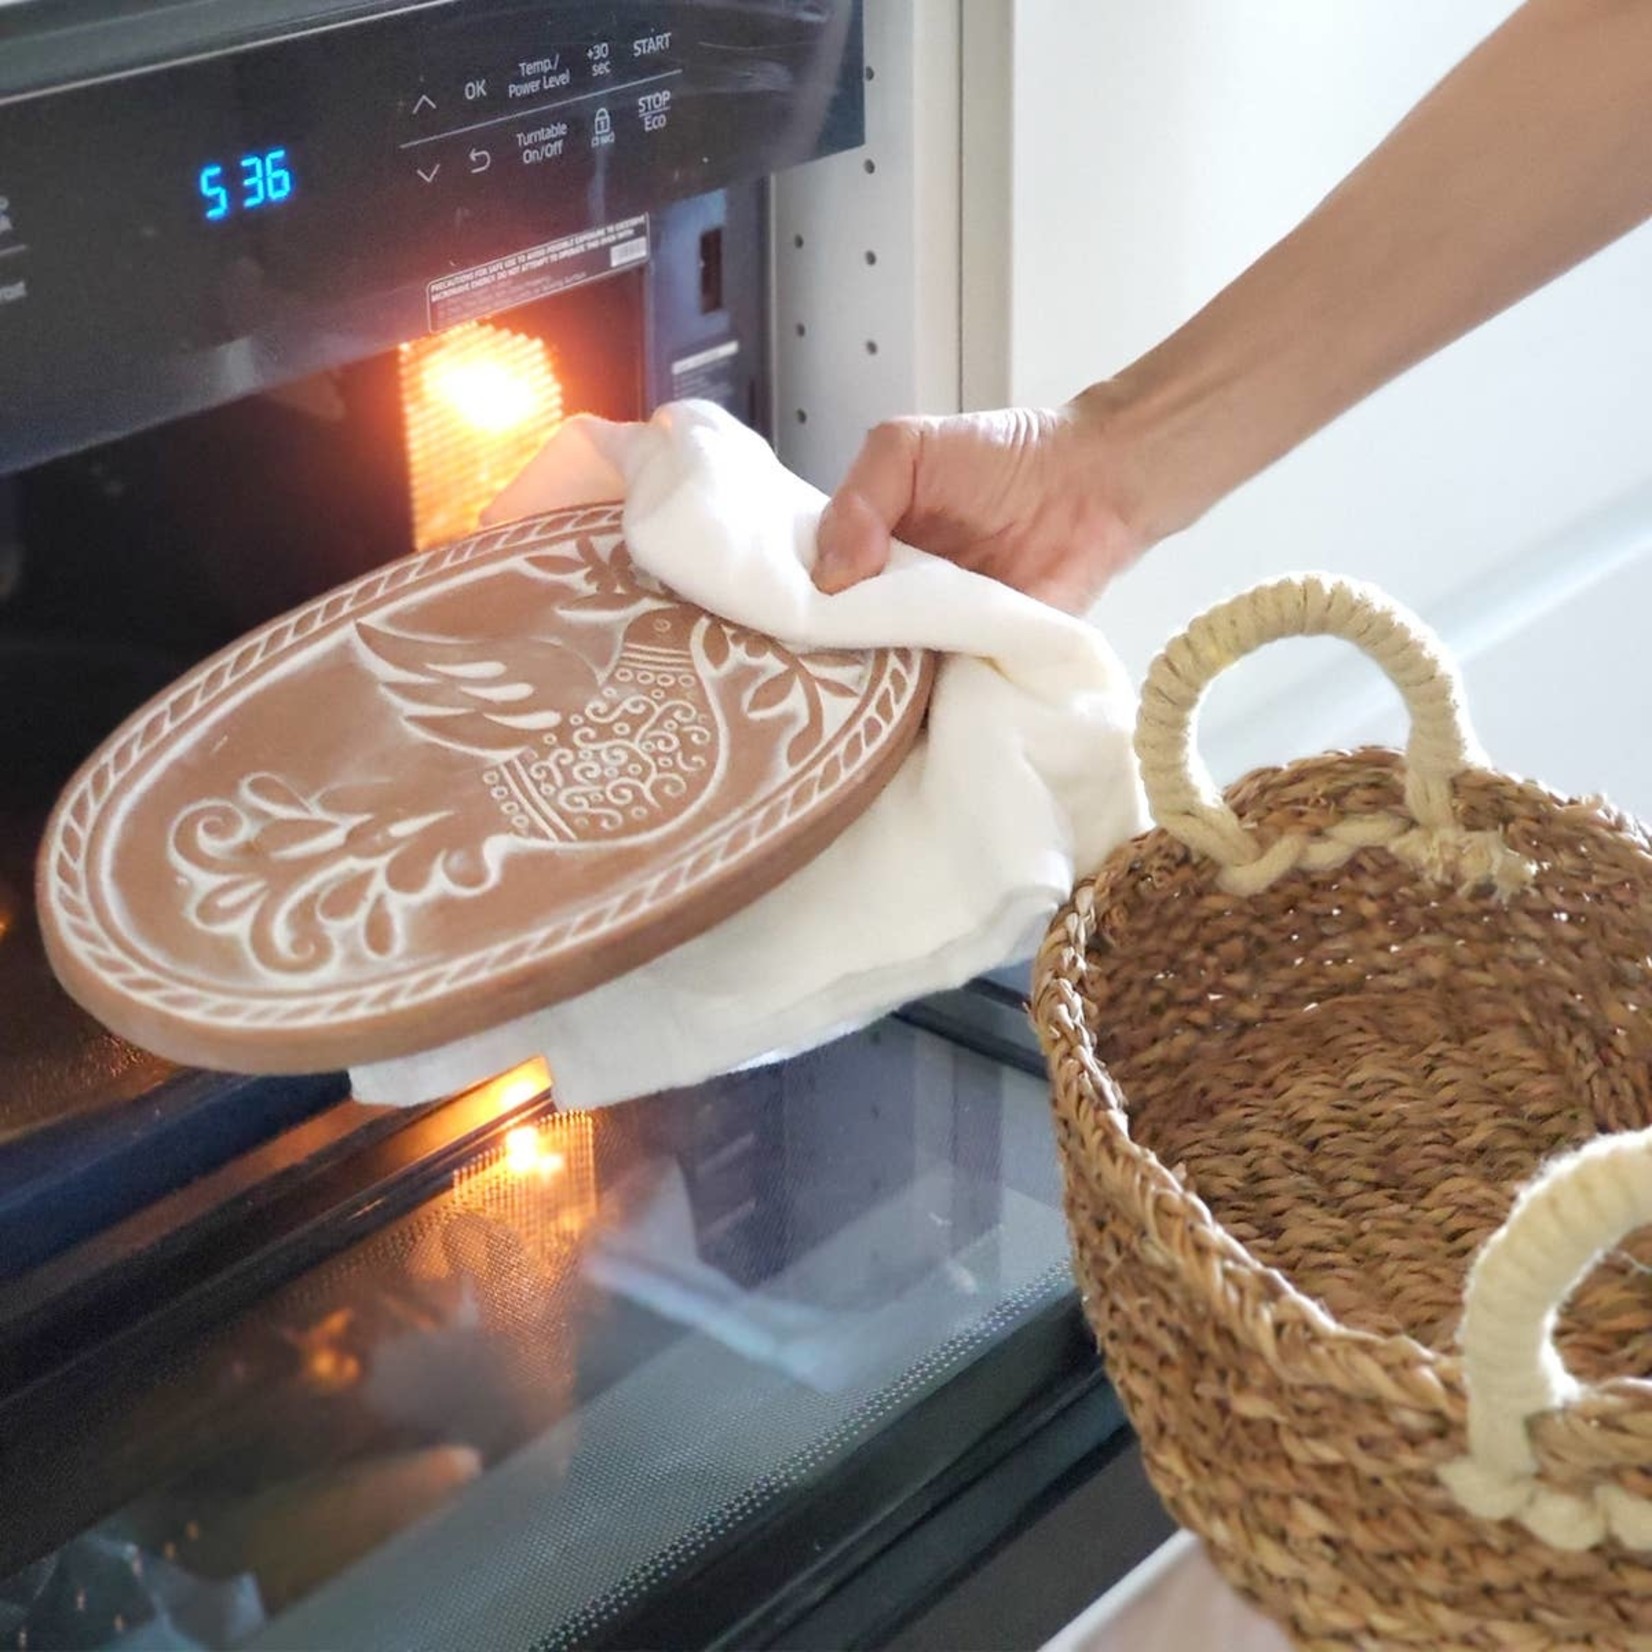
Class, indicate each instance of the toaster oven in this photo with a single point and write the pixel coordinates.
(233, 380)
(287, 290)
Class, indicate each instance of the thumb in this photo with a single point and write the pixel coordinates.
(852, 543)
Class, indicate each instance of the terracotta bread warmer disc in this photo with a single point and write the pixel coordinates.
(468, 785)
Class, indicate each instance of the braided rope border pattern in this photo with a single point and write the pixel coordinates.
(897, 677)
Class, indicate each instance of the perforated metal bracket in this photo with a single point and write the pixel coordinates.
(866, 252)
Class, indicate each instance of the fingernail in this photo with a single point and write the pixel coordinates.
(828, 566)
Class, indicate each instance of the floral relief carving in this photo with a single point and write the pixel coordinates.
(576, 742)
(463, 785)
(292, 875)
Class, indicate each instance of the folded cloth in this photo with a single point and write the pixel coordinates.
(1022, 779)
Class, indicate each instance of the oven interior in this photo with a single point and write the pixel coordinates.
(127, 562)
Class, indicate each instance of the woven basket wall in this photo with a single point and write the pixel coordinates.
(1305, 1056)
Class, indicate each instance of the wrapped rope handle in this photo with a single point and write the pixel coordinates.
(1185, 802)
(1562, 1223)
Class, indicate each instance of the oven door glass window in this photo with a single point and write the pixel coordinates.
(618, 1361)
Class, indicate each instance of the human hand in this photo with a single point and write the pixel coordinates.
(1040, 499)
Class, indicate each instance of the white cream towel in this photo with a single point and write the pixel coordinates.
(1022, 779)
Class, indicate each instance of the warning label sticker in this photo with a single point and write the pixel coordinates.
(708, 375)
(537, 272)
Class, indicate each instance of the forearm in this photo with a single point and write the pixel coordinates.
(1533, 153)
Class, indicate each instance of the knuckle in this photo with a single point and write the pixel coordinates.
(893, 438)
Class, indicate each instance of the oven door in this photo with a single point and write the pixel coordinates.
(776, 1360)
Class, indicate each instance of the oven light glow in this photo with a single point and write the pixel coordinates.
(527, 1152)
(516, 1085)
(489, 394)
(540, 1186)
(479, 401)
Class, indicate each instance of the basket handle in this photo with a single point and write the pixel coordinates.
(1185, 802)
(1574, 1211)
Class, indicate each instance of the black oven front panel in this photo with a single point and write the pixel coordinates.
(180, 235)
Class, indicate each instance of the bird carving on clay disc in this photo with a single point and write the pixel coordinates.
(575, 752)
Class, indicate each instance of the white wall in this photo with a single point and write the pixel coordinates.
(1159, 148)
(1155, 150)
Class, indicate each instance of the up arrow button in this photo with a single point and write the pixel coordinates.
(424, 101)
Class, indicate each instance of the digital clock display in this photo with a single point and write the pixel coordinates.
(248, 184)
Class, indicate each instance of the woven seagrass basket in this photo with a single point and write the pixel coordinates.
(1324, 1057)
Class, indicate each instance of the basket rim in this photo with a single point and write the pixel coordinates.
(1090, 1099)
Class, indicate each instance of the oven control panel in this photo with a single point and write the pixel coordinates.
(185, 233)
